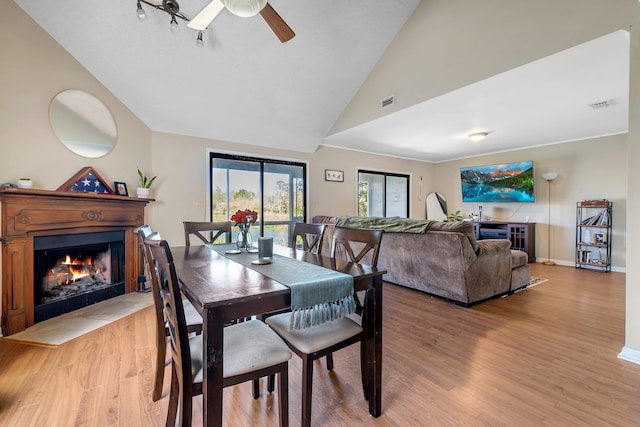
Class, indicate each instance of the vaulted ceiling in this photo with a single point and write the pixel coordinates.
(245, 86)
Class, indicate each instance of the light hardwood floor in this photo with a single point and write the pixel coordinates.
(546, 356)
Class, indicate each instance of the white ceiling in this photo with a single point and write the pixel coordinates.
(244, 85)
(544, 102)
(247, 87)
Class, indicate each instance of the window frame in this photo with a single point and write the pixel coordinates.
(384, 174)
(261, 160)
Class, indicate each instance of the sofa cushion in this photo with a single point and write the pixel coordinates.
(464, 227)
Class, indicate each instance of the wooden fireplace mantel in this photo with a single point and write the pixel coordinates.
(28, 213)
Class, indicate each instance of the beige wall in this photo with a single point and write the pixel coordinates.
(181, 163)
(590, 169)
(632, 327)
(448, 44)
(34, 69)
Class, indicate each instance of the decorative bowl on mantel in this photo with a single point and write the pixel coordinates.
(25, 183)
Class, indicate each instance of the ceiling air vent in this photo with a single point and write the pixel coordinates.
(603, 104)
(388, 101)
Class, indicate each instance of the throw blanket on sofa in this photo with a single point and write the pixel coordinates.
(389, 225)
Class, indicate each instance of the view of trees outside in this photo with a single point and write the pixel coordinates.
(382, 194)
(363, 199)
(235, 189)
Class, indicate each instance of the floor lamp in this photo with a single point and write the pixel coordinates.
(549, 176)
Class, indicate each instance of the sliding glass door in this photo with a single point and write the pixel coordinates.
(383, 194)
(273, 188)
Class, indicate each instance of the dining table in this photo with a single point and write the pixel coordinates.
(223, 290)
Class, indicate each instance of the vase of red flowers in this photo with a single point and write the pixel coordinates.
(243, 219)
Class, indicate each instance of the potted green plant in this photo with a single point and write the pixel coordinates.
(454, 216)
(145, 183)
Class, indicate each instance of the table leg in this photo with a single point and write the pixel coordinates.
(212, 330)
(375, 384)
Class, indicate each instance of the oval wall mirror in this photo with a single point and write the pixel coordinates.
(83, 123)
(436, 207)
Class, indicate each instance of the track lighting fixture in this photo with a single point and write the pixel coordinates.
(199, 41)
(172, 8)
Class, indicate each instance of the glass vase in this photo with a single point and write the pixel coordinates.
(244, 240)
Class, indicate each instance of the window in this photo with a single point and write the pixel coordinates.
(383, 194)
(273, 188)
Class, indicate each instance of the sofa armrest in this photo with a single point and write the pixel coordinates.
(489, 246)
(490, 275)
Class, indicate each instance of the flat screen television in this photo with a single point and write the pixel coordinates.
(503, 183)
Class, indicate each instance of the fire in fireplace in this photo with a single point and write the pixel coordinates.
(76, 270)
(76, 273)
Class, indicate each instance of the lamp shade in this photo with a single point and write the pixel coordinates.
(245, 8)
(550, 176)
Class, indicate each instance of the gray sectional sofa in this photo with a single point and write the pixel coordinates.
(445, 260)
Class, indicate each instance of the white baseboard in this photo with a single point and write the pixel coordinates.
(630, 355)
(573, 264)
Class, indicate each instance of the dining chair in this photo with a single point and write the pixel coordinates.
(322, 340)
(192, 317)
(214, 230)
(251, 349)
(308, 237)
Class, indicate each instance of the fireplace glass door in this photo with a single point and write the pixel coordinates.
(76, 270)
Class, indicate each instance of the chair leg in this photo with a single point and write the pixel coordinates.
(161, 354)
(307, 390)
(330, 362)
(256, 388)
(271, 383)
(364, 373)
(174, 396)
(283, 395)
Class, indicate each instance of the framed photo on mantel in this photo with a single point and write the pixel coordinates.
(121, 188)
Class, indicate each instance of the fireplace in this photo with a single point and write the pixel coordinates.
(39, 228)
(75, 270)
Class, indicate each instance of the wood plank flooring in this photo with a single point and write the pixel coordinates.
(546, 356)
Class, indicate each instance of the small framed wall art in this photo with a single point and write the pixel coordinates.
(121, 188)
(333, 175)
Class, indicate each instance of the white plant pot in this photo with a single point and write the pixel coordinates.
(143, 193)
(25, 183)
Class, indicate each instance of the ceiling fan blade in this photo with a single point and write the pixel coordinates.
(202, 20)
(277, 24)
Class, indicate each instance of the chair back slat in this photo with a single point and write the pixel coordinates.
(169, 290)
(366, 241)
(214, 230)
(311, 236)
(144, 233)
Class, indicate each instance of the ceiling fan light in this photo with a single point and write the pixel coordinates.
(141, 13)
(245, 8)
(173, 25)
(199, 41)
(478, 136)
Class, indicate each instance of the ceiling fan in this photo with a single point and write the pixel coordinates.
(244, 9)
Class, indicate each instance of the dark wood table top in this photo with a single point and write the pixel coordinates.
(217, 280)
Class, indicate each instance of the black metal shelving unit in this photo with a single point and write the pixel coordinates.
(593, 234)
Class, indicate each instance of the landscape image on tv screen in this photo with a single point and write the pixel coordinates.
(507, 182)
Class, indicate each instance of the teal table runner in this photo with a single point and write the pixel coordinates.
(318, 294)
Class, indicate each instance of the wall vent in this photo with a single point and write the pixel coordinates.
(388, 101)
(602, 104)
